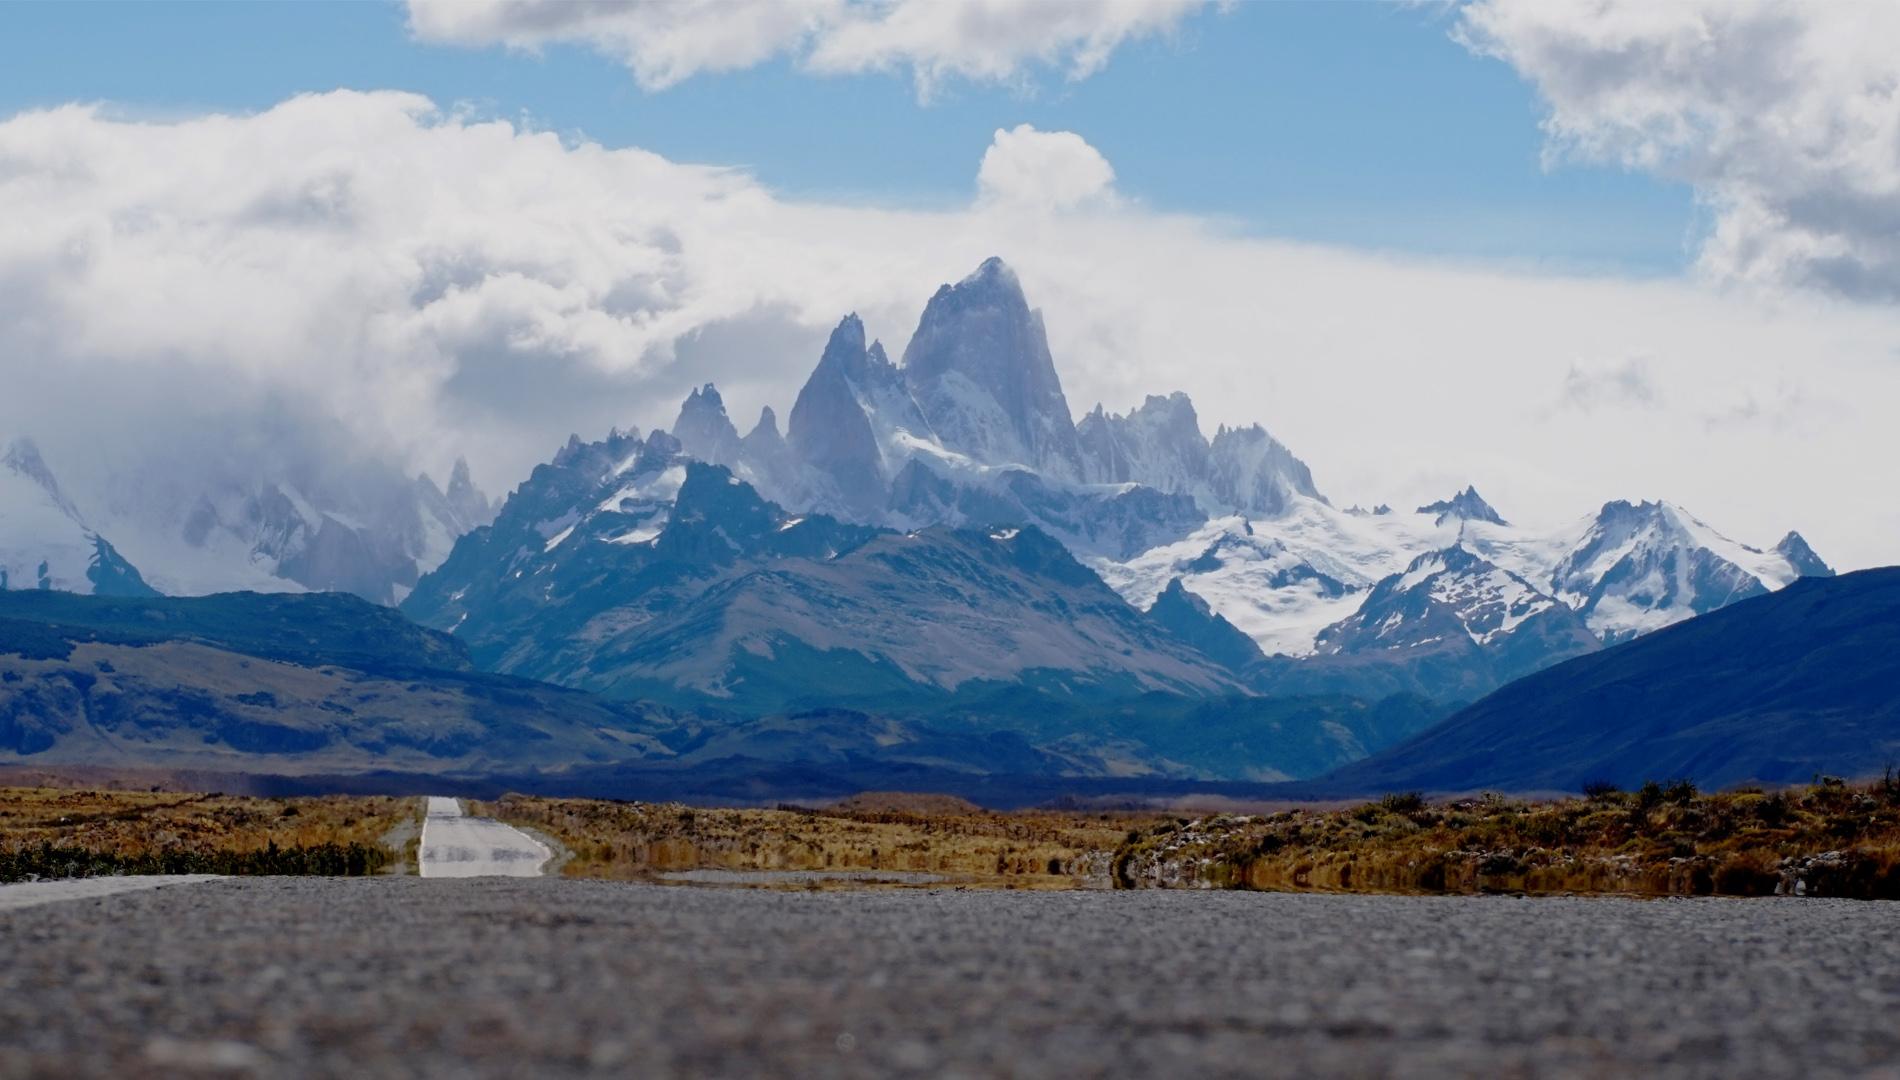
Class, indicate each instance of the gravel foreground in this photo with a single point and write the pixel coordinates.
(415, 977)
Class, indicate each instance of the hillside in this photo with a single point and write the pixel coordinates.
(631, 571)
(310, 628)
(327, 686)
(291, 684)
(1774, 689)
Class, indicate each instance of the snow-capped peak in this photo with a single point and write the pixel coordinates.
(44, 543)
(979, 368)
(705, 430)
(1251, 471)
(23, 458)
(1636, 567)
(1453, 591)
(1159, 444)
(1467, 505)
(1794, 548)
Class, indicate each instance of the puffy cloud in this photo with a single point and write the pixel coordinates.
(351, 280)
(1051, 170)
(989, 40)
(666, 41)
(1785, 118)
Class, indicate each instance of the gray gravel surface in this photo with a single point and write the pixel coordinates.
(408, 976)
(25, 894)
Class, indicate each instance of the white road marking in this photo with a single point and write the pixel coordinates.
(33, 893)
(454, 845)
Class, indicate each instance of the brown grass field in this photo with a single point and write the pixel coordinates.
(1828, 839)
(934, 835)
(67, 832)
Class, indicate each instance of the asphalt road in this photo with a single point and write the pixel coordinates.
(24, 894)
(549, 977)
(455, 845)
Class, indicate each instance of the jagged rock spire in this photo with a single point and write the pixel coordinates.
(1467, 505)
(980, 370)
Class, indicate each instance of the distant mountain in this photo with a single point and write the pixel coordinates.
(1774, 689)
(972, 433)
(853, 426)
(364, 531)
(631, 570)
(313, 629)
(45, 543)
(351, 695)
(1801, 558)
(1638, 567)
(979, 369)
(1192, 620)
(1467, 505)
(294, 684)
(372, 537)
(1288, 579)
(1160, 445)
(947, 438)
(1454, 603)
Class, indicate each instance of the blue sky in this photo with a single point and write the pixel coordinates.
(1349, 123)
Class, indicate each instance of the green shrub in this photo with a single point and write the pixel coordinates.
(1682, 792)
(324, 860)
(1404, 802)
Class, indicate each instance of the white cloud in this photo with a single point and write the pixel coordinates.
(994, 41)
(1629, 382)
(666, 41)
(1047, 170)
(662, 41)
(360, 277)
(1785, 118)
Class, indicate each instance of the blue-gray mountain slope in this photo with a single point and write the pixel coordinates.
(1773, 689)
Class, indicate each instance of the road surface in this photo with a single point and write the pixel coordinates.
(32, 893)
(398, 976)
(457, 846)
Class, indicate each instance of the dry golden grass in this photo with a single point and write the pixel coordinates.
(871, 833)
(138, 829)
(1830, 839)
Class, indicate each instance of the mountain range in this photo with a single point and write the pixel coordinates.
(939, 525)
(934, 547)
(1775, 690)
(328, 692)
(44, 541)
(367, 532)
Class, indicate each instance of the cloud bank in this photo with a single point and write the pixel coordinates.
(664, 42)
(357, 280)
(1785, 118)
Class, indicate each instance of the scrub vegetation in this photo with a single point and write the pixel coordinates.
(1830, 838)
(49, 833)
(935, 835)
